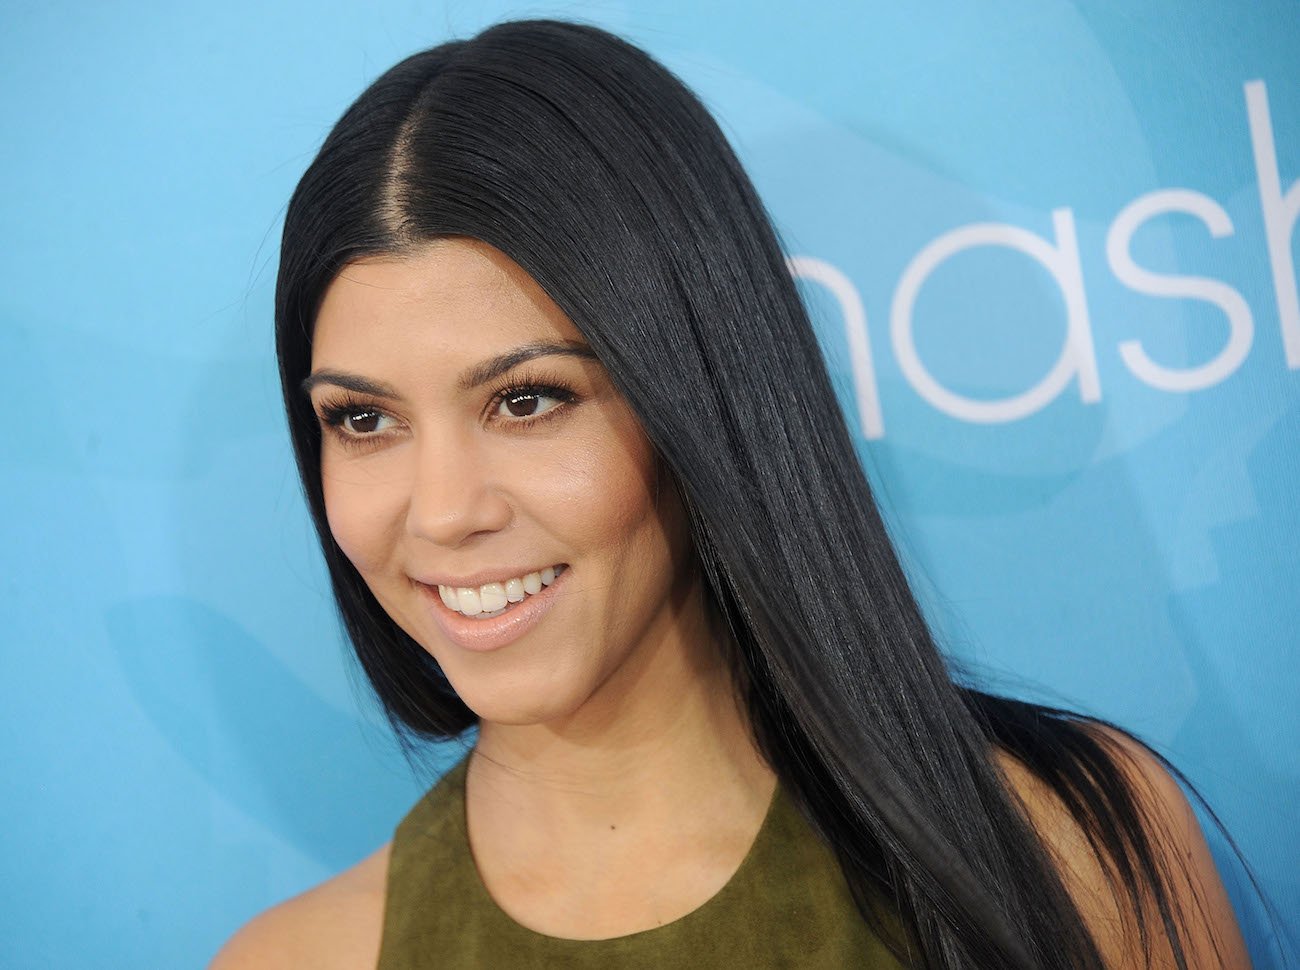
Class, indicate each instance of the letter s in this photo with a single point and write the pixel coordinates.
(1240, 325)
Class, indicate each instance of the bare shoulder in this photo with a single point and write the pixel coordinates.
(334, 926)
(1213, 937)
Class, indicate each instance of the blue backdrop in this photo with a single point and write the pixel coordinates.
(1051, 252)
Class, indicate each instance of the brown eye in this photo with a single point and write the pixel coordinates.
(522, 406)
(527, 404)
(363, 421)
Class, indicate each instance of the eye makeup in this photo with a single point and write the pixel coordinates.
(521, 389)
(360, 423)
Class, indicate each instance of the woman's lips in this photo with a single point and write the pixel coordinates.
(481, 635)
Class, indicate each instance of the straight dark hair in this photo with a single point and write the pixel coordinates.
(600, 174)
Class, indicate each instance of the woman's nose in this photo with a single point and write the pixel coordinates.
(453, 496)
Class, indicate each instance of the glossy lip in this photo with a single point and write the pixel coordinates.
(481, 636)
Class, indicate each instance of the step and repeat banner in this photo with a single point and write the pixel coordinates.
(1050, 249)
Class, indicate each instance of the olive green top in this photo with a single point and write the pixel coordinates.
(787, 905)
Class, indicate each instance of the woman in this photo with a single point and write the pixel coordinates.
(581, 480)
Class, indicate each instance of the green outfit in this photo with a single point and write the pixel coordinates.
(786, 906)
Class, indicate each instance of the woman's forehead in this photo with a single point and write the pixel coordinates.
(449, 292)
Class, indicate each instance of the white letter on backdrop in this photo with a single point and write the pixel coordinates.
(1062, 261)
(1241, 328)
(1280, 213)
(855, 329)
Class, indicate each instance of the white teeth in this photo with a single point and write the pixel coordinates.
(492, 596)
(470, 604)
(492, 599)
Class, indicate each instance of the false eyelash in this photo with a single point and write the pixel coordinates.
(532, 384)
(333, 412)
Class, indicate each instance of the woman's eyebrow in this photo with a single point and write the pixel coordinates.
(496, 366)
(479, 374)
(350, 382)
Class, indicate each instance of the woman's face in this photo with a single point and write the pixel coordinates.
(471, 445)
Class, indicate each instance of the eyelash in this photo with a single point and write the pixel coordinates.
(333, 413)
(535, 384)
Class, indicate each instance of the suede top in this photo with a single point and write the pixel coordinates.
(787, 905)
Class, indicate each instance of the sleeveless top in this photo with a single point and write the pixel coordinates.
(787, 905)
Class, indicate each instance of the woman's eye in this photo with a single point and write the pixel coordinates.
(364, 421)
(527, 404)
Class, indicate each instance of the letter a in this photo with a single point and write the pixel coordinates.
(1061, 260)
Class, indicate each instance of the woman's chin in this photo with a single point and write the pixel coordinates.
(518, 715)
(521, 707)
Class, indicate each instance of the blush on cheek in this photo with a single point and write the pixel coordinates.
(614, 508)
(361, 525)
(598, 499)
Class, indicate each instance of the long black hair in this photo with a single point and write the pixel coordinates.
(600, 174)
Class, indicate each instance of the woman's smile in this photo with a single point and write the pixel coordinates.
(486, 600)
(459, 611)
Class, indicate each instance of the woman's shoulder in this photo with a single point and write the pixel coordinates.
(1177, 842)
(337, 925)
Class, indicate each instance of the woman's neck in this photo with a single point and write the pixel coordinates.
(626, 815)
(666, 733)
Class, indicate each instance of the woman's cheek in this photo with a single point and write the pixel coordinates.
(596, 490)
(614, 509)
(364, 516)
